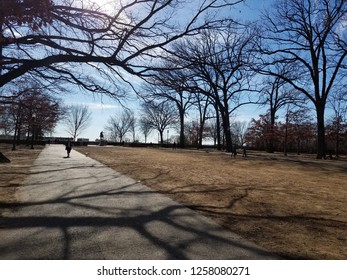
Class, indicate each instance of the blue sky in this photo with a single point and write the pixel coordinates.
(102, 108)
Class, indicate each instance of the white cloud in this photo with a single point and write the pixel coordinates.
(101, 106)
(96, 105)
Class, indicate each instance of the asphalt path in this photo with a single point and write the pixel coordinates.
(77, 208)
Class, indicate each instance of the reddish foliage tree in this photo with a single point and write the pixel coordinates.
(31, 113)
(298, 132)
(336, 134)
(307, 37)
(261, 133)
(32, 12)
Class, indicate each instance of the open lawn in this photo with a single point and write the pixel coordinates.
(13, 174)
(295, 206)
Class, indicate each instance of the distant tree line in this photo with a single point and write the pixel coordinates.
(296, 134)
(29, 113)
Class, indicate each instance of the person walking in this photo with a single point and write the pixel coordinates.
(68, 147)
(244, 148)
(234, 151)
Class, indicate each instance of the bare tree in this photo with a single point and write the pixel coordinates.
(310, 39)
(276, 94)
(119, 125)
(220, 60)
(133, 126)
(337, 124)
(171, 86)
(238, 131)
(68, 40)
(31, 111)
(77, 119)
(159, 116)
(202, 102)
(145, 127)
(298, 128)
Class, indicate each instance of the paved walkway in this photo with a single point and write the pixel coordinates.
(77, 208)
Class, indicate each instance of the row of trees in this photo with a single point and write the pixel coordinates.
(296, 54)
(85, 44)
(210, 73)
(297, 133)
(30, 112)
(299, 53)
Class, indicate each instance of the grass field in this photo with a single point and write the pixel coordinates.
(295, 206)
(12, 175)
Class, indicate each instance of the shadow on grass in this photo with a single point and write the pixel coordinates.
(86, 203)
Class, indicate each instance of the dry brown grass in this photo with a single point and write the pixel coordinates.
(294, 207)
(13, 175)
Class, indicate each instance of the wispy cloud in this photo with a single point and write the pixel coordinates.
(97, 105)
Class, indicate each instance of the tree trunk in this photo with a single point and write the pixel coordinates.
(270, 146)
(201, 130)
(219, 146)
(224, 109)
(3, 158)
(228, 141)
(286, 137)
(161, 138)
(182, 140)
(321, 153)
(298, 142)
(227, 132)
(18, 135)
(14, 139)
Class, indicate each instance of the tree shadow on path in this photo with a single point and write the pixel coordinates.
(85, 210)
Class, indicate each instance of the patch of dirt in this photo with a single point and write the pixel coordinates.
(294, 206)
(14, 173)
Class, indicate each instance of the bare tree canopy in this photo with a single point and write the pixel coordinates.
(238, 131)
(58, 37)
(145, 127)
(78, 118)
(276, 94)
(219, 61)
(159, 116)
(171, 86)
(337, 124)
(310, 39)
(120, 124)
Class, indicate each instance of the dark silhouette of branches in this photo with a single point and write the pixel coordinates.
(77, 119)
(69, 40)
(219, 61)
(309, 38)
(159, 116)
(119, 125)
